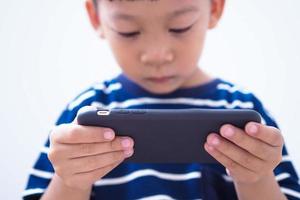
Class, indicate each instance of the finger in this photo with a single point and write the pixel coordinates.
(96, 174)
(252, 145)
(82, 110)
(76, 134)
(90, 149)
(104, 169)
(267, 134)
(90, 163)
(234, 168)
(235, 153)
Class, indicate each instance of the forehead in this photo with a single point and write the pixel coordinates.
(130, 10)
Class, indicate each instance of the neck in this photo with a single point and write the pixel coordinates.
(199, 77)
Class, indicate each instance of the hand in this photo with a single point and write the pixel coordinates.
(249, 154)
(82, 155)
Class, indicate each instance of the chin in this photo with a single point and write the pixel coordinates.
(160, 90)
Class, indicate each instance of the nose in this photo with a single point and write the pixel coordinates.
(157, 55)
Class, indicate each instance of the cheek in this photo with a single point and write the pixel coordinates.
(196, 40)
(189, 52)
(125, 55)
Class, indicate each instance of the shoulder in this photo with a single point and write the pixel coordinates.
(233, 91)
(242, 96)
(96, 94)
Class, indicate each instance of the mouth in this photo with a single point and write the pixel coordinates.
(160, 80)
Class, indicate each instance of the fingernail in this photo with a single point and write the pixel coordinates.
(128, 152)
(228, 172)
(210, 148)
(228, 132)
(252, 129)
(126, 143)
(108, 134)
(214, 140)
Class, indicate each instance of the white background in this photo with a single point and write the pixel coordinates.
(49, 53)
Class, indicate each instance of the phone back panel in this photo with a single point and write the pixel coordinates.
(168, 136)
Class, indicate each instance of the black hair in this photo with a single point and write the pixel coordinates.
(96, 1)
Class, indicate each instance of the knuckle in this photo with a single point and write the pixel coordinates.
(104, 148)
(232, 165)
(247, 160)
(116, 144)
(278, 160)
(53, 136)
(59, 133)
(75, 130)
(111, 145)
(255, 164)
(280, 140)
(238, 138)
(72, 133)
(257, 151)
(116, 156)
(86, 148)
(225, 146)
(263, 152)
(277, 138)
(52, 155)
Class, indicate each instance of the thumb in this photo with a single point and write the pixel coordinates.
(82, 110)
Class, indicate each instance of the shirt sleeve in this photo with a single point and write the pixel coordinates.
(285, 172)
(42, 171)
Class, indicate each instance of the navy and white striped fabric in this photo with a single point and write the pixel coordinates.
(163, 181)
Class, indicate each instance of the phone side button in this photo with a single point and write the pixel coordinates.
(138, 112)
(123, 111)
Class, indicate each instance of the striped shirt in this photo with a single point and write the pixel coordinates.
(163, 181)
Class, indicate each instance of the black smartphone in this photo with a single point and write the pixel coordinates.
(167, 135)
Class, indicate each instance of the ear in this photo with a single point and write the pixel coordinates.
(217, 7)
(94, 17)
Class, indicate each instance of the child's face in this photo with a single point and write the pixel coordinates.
(157, 43)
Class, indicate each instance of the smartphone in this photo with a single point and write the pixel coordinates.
(167, 135)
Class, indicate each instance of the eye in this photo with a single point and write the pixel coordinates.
(181, 30)
(129, 34)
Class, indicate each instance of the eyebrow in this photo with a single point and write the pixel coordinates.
(123, 16)
(176, 13)
(183, 11)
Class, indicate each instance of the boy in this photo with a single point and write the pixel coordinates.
(157, 45)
